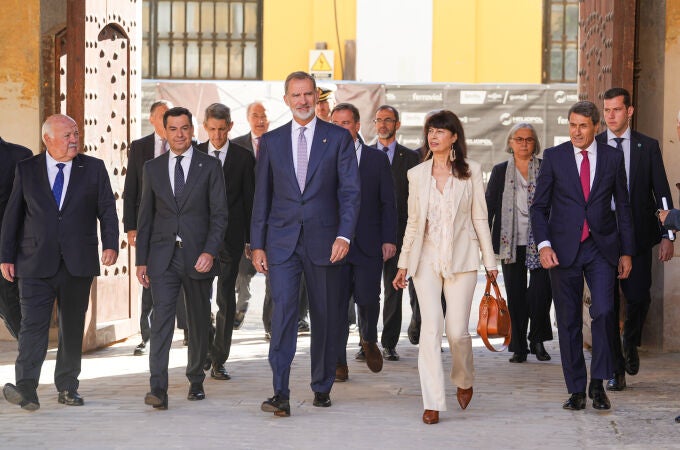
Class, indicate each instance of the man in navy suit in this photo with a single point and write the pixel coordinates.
(579, 235)
(307, 195)
(10, 310)
(647, 184)
(49, 242)
(374, 242)
(238, 166)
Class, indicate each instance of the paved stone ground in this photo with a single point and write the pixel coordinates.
(514, 405)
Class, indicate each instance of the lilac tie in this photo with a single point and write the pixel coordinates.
(302, 159)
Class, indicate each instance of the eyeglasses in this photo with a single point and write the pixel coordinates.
(521, 140)
(385, 121)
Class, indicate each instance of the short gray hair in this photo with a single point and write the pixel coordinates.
(523, 126)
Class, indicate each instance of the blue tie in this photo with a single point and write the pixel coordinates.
(179, 178)
(58, 185)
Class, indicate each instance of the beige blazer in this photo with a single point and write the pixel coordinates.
(470, 224)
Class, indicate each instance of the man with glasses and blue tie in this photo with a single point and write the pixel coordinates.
(49, 242)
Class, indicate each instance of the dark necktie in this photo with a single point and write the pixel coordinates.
(585, 185)
(58, 185)
(217, 155)
(179, 178)
(619, 144)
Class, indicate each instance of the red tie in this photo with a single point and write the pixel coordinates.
(585, 185)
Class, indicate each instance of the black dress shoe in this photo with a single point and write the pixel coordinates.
(632, 360)
(238, 319)
(575, 402)
(413, 332)
(16, 396)
(70, 398)
(278, 405)
(539, 350)
(518, 357)
(360, 356)
(218, 372)
(303, 326)
(196, 392)
(596, 392)
(322, 399)
(157, 398)
(140, 349)
(617, 383)
(390, 354)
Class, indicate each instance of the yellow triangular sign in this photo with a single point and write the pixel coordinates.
(321, 64)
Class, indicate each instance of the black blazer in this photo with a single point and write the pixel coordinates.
(404, 159)
(239, 180)
(10, 155)
(245, 141)
(648, 183)
(140, 152)
(494, 202)
(36, 235)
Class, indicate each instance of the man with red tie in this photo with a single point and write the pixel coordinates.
(580, 236)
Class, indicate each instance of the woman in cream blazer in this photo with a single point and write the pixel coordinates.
(447, 226)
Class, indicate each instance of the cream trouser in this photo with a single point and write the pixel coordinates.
(458, 291)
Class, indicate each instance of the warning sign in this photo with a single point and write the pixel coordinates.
(321, 63)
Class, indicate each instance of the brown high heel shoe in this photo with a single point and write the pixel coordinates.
(464, 396)
(430, 416)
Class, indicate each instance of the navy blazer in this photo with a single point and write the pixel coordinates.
(377, 224)
(36, 235)
(140, 151)
(559, 206)
(647, 185)
(328, 207)
(239, 180)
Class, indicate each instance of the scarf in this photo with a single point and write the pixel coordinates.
(508, 248)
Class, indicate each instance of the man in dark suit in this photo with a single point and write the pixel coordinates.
(401, 159)
(307, 195)
(10, 310)
(238, 166)
(579, 235)
(374, 242)
(49, 241)
(181, 225)
(142, 150)
(647, 184)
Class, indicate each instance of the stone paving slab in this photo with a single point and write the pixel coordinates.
(515, 406)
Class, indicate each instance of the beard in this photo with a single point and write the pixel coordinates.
(302, 115)
(387, 135)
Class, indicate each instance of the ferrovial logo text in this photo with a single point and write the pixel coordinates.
(562, 97)
(472, 97)
(434, 97)
(508, 119)
(467, 119)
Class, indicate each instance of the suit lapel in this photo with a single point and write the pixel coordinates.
(319, 146)
(424, 188)
(570, 161)
(41, 161)
(75, 180)
(195, 172)
(636, 150)
(600, 168)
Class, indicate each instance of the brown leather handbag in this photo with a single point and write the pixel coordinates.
(494, 317)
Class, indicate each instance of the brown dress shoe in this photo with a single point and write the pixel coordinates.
(430, 417)
(341, 372)
(374, 359)
(464, 396)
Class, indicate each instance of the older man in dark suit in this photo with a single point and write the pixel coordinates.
(374, 242)
(648, 185)
(238, 166)
(307, 195)
(10, 310)
(181, 225)
(49, 241)
(579, 235)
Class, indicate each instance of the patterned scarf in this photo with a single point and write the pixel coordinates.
(508, 249)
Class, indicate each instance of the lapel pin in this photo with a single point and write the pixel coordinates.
(324, 140)
(200, 164)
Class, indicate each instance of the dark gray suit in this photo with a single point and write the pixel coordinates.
(199, 218)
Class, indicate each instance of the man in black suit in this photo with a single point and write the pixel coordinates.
(49, 242)
(181, 225)
(401, 159)
(374, 242)
(10, 310)
(647, 184)
(238, 165)
(142, 150)
(256, 115)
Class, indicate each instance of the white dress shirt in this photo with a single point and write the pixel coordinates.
(53, 170)
(158, 149)
(223, 151)
(186, 163)
(626, 149)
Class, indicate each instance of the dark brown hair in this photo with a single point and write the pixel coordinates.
(449, 121)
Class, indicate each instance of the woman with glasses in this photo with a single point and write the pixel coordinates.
(509, 195)
(445, 231)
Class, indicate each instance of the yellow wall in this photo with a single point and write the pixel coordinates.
(292, 27)
(20, 72)
(487, 41)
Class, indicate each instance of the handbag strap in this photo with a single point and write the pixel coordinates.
(491, 281)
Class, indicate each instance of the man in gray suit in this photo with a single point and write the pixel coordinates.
(180, 229)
